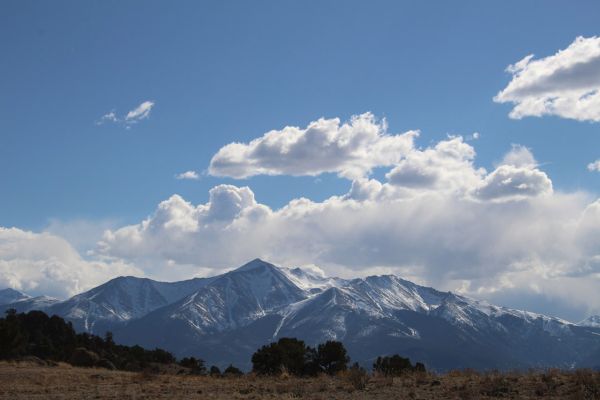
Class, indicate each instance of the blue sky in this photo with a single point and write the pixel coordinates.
(230, 71)
(220, 72)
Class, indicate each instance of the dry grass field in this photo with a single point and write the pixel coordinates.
(29, 381)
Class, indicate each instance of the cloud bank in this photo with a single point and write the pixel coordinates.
(566, 84)
(42, 263)
(436, 218)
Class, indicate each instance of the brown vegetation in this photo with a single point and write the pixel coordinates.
(30, 380)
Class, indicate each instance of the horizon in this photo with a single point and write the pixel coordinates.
(453, 145)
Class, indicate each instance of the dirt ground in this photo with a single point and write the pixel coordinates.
(29, 381)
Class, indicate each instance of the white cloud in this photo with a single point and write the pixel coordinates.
(140, 112)
(594, 166)
(42, 263)
(519, 156)
(434, 238)
(192, 175)
(350, 149)
(137, 114)
(108, 117)
(566, 84)
(364, 189)
(446, 166)
(511, 182)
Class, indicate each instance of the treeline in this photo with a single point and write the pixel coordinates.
(52, 338)
(293, 356)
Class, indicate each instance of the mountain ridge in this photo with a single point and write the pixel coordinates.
(225, 318)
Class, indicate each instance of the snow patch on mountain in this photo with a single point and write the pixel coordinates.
(311, 281)
(40, 303)
(591, 322)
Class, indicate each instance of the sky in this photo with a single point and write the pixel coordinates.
(453, 143)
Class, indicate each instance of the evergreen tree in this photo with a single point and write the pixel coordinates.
(332, 357)
(288, 354)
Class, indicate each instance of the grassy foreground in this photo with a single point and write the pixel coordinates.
(25, 380)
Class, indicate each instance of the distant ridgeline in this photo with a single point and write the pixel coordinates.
(225, 318)
(53, 339)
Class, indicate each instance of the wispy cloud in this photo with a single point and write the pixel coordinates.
(140, 112)
(191, 175)
(108, 117)
(133, 116)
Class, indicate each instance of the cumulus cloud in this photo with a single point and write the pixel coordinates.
(566, 84)
(170, 233)
(190, 175)
(519, 156)
(351, 149)
(508, 181)
(446, 166)
(42, 263)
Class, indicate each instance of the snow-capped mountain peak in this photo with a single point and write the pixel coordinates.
(237, 298)
(312, 281)
(121, 299)
(254, 264)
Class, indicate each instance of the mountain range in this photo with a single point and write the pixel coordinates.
(225, 318)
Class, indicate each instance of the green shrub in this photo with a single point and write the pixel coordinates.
(232, 371)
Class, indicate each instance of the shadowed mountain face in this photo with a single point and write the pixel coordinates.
(12, 299)
(226, 318)
(10, 296)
